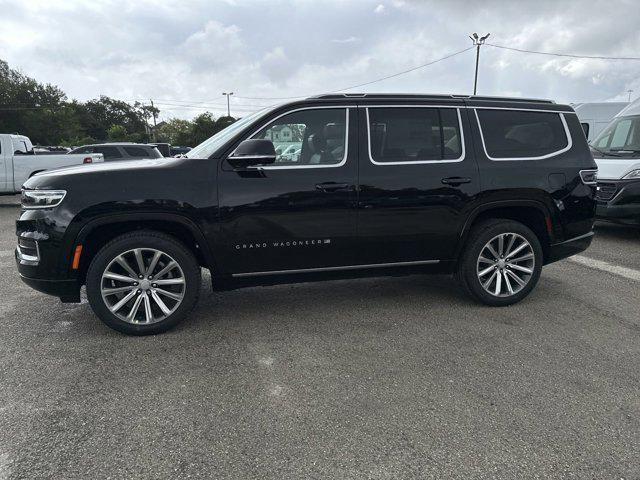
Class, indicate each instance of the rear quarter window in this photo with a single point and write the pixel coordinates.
(517, 134)
(140, 152)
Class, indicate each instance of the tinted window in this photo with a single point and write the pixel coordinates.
(82, 150)
(108, 152)
(414, 134)
(308, 137)
(140, 152)
(517, 134)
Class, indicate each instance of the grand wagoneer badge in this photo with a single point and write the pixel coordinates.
(284, 244)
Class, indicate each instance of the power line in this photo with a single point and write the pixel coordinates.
(597, 57)
(393, 75)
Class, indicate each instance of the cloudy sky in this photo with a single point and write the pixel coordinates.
(184, 54)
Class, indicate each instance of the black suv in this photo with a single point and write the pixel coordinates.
(490, 189)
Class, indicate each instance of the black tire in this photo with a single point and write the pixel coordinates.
(468, 266)
(144, 240)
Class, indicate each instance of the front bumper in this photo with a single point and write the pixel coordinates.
(68, 290)
(618, 201)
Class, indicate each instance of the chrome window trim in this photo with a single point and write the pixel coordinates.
(416, 162)
(540, 157)
(300, 167)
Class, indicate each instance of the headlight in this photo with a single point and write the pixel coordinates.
(632, 174)
(42, 198)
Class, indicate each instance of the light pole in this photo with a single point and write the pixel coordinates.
(477, 41)
(629, 92)
(228, 107)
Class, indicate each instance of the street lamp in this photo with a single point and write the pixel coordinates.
(228, 107)
(477, 41)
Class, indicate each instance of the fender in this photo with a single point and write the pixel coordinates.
(166, 217)
(544, 209)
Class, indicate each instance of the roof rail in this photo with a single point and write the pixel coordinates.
(328, 96)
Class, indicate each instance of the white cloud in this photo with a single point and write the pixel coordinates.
(345, 40)
(189, 52)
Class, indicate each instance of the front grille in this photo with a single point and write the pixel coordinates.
(606, 191)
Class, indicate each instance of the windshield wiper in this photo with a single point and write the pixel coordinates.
(626, 150)
(602, 152)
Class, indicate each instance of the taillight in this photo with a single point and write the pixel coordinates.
(88, 160)
(589, 177)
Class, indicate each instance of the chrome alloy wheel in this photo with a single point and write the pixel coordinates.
(506, 264)
(142, 286)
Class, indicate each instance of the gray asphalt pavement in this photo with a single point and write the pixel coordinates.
(380, 378)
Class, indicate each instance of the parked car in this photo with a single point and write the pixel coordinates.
(594, 116)
(490, 189)
(163, 148)
(176, 150)
(617, 152)
(121, 151)
(19, 161)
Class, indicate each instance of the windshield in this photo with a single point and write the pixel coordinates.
(621, 137)
(210, 145)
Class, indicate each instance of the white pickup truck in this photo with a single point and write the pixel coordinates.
(18, 162)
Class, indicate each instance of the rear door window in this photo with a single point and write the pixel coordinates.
(520, 134)
(19, 146)
(407, 135)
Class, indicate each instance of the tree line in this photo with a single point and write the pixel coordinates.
(44, 113)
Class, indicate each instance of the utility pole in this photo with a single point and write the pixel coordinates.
(477, 41)
(153, 112)
(629, 92)
(228, 108)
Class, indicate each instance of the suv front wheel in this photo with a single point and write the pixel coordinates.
(502, 262)
(143, 283)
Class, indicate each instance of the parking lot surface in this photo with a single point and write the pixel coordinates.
(377, 378)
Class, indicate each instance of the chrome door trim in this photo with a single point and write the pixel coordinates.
(334, 269)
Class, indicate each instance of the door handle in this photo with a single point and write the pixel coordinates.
(456, 180)
(331, 186)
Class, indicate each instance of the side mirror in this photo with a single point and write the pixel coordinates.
(253, 152)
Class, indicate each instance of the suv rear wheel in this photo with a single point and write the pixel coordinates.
(502, 262)
(143, 283)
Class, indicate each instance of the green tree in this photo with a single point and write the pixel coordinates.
(176, 132)
(117, 133)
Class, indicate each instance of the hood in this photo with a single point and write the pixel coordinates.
(89, 168)
(616, 168)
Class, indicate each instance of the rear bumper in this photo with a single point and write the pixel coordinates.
(570, 247)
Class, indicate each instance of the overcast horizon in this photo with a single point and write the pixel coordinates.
(185, 56)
